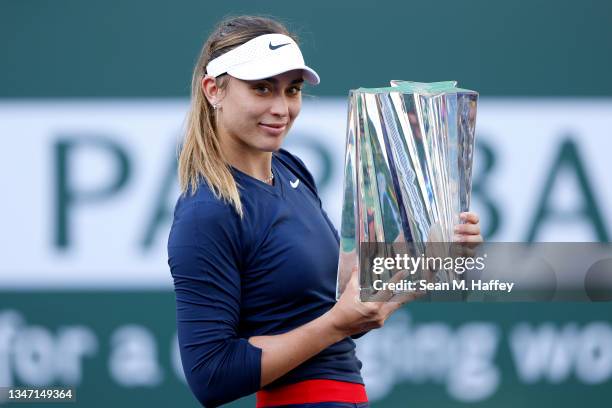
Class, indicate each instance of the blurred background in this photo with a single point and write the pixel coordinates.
(93, 96)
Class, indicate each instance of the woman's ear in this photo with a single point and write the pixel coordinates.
(211, 90)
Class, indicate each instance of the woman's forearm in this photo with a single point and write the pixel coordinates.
(283, 352)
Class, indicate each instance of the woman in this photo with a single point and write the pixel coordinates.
(252, 253)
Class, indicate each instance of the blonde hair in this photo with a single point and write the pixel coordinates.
(201, 156)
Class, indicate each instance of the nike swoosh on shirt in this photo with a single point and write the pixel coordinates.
(295, 183)
(274, 47)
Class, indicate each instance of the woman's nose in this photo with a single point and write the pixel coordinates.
(280, 107)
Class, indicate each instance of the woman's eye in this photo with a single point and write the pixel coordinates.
(294, 90)
(261, 89)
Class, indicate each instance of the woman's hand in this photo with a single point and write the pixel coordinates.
(469, 232)
(351, 316)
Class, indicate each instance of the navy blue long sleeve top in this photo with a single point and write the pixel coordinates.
(265, 274)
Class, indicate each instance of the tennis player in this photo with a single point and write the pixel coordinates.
(252, 253)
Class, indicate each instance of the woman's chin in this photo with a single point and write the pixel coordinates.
(267, 147)
(269, 144)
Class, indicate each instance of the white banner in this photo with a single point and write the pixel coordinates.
(88, 187)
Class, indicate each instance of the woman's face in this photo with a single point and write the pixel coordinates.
(258, 114)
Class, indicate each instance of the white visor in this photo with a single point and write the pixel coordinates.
(262, 57)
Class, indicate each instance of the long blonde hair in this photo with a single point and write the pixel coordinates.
(201, 156)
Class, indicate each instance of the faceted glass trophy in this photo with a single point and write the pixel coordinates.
(407, 170)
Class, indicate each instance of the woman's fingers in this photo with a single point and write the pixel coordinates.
(469, 232)
(469, 217)
(408, 296)
(467, 229)
(355, 274)
(385, 295)
(354, 281)
(469, 239)
(399, 300)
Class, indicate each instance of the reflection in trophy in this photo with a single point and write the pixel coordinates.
(407, 172)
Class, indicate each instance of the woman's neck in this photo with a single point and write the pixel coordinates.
(253, 162)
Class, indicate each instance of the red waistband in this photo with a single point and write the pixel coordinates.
(310, 391)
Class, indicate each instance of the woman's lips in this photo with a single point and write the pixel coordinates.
(273, 129)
